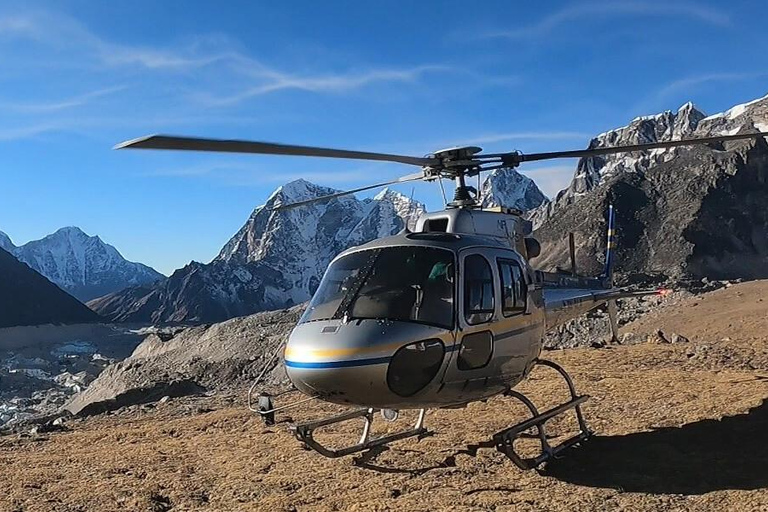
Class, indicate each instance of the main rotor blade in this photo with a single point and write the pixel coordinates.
(635, 147)
(402, 179)
(263, 148)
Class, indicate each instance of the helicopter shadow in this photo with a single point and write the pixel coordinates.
(366, 460)
(700, 457)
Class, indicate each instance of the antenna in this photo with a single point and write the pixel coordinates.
(442, 189)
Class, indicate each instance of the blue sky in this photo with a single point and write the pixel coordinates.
(78, 76)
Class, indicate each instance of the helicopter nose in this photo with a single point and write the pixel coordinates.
(364, 373)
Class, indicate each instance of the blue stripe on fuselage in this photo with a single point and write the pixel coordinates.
(338, 364)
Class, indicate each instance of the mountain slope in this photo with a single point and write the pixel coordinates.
(83, 265)
(683, 213)
(28, 298)
(275, 260)
(5, 243)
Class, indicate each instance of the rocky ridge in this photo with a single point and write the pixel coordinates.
(683, 213)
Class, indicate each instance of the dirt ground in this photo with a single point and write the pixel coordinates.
(680, 426)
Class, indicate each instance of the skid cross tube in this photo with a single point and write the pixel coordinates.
(304, 433)
(505, 439)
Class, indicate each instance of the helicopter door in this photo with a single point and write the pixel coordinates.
(519, 330)
(470, 364)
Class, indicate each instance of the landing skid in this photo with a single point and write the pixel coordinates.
(505, 439)
(263, 404)
(304, 433)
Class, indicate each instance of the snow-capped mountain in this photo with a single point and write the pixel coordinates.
(509, 188)
(300, 242)
(665, 126)
(691, 211)
(275, 260)
(82, 265)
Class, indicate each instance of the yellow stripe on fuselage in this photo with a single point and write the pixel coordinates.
(312, 354)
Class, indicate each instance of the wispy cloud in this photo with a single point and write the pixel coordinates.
(608, 10)
(687, 85)
(246, 75)
(64, 32)
(54, 106)
(202, 79)
(25, 132)
(278, 81)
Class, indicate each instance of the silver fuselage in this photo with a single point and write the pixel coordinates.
(346, 360)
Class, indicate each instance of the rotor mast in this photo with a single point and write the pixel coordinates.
(457, 163)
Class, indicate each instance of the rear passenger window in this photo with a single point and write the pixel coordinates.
(478, 290)
(513, 289)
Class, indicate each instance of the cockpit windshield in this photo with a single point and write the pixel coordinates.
(409, 283)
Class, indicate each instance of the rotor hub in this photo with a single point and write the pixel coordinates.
(457, 153)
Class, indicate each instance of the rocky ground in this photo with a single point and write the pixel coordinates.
(681, 426)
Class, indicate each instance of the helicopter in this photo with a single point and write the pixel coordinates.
(449, 313)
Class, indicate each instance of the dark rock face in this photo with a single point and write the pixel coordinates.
(28, 298)
(686, 213)
(194, 293)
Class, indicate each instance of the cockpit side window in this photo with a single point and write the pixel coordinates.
(513, 288)
(478, 290)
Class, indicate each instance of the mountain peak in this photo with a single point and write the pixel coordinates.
(70, 232)
(389, 194)
(509, 188)
(299, 183)
(299, 190)
(687, 106)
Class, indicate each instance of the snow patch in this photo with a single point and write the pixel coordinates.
(737, 110)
